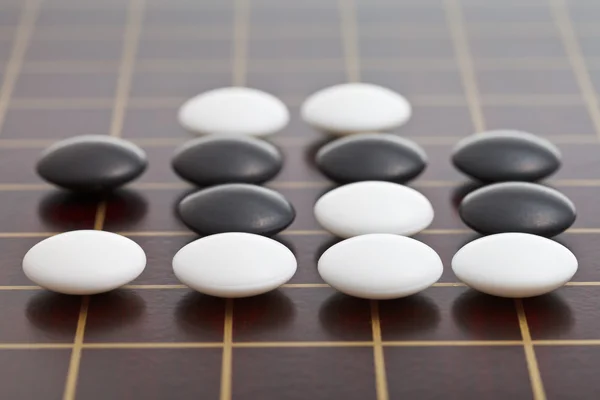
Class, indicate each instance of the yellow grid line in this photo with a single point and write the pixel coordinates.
(35, 346)
(463, 55)
(378, 356)
(22, 187)
(264, 65)
(298, 344)
(577, 61)
(535, 377)
(29, 14)
(293, 141)
(163, 103)
(226, 363)
(132, 31)
(453, 343)
(74, 363)
(441, 231)
(130, 45)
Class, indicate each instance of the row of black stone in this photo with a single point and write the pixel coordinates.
(227, 169)
(231, 168)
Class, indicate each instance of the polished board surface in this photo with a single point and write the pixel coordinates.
(120, 67)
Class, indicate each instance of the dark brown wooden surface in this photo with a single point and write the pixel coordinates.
(121, 67)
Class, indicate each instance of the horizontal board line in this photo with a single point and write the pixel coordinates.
(292, 232)
(17, 187)
(295, 141)
(297, 344)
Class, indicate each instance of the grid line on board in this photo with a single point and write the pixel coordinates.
(537, 386)
(29, 14)
(572, 47)
(264, 65)
(131, 33)
(462, 48)
(129, 51)
(349, 36)
(293, 141)
(76, 350)
(291, 232)
(165, 103)
(300, 344)
(465, 62)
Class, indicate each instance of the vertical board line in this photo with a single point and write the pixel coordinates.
(535, 377)
(241, 11)
(25, 28)
(128, 56)
(226, 363)
(132, 31)
(460, 40)
(75, 362)
(378, 356)
(575, 54)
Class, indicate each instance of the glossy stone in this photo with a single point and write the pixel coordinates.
(351, 108)
(371, 156)
(236, 207)
(514, 265)
(367, 207)
(84, 262)
(215, 160)
(234, 111)
(91, 163)
(517, 207)
(497, 156)
(380, 266)
(234, 264)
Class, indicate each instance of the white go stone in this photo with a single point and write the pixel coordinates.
(380, 266)
(514, 265)
(84, 262)
(355, 107)
(234, 111)
(373, 207)
(234, 264)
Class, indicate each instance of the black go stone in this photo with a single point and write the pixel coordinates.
(371, 156)
(211, 161)
(498, 156)
(91, 163)
(517, 207)
(236, 207)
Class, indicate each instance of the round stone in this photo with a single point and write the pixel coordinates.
(234, 111)
(514, 265)
(236, 207)
(497, 156)
(84, 262)
(91, 163)
(371, 157)
(380, 266)
(214, 160)
(373, 207)
(517, 207)
(234, 264)
(355, 107)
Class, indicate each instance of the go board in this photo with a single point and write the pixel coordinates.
(123, 67)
